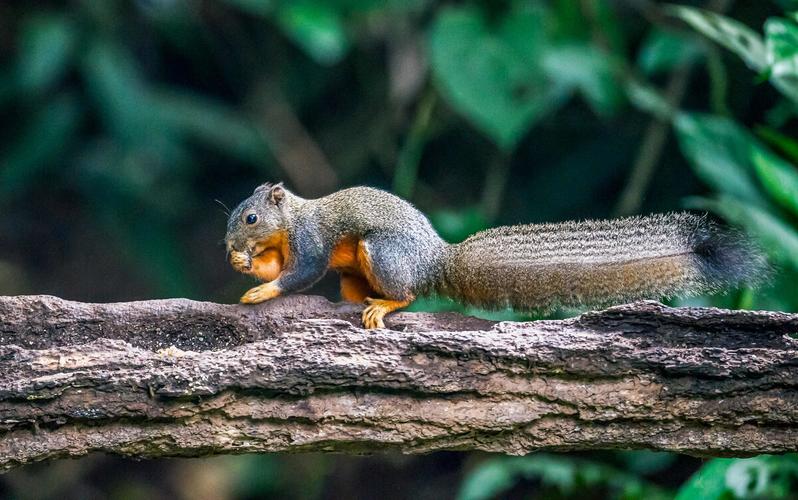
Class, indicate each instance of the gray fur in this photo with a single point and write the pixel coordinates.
(406, 252)
(240, 236)
(525, 267)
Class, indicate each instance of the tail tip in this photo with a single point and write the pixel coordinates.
(729, 258)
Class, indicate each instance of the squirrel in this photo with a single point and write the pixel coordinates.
(387, 254)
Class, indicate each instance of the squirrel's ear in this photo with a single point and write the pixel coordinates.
(277, 194)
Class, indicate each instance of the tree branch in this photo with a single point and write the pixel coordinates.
(296, 374)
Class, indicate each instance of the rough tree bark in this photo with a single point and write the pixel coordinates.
(183, 378)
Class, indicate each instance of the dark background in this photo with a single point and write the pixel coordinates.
(127, 126)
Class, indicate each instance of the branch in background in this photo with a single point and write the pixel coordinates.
(718, 84)
(406, 173)
(296, 374)
(300, 157)
(654, 140)
(495, 183)
(651, 148)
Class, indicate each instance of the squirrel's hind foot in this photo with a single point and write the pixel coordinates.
(376, 309)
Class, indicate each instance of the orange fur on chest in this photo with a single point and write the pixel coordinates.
(267, 265)
(271, 255)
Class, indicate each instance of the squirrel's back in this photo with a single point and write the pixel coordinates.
(593, 263)
(363, 209)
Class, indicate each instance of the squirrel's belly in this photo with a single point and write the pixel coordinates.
(344, 256)
(350, 258)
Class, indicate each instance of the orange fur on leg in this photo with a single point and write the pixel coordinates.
(364, 261)
(344, 255)
(354, 288)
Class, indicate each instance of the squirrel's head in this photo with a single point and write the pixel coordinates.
(254, 222)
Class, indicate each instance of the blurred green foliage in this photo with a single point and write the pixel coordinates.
(123, 120)
(756, 188)
(557, 475)
(772, 477)
(764, 477)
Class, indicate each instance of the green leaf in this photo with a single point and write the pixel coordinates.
(748, 478)
(781, 41)
(491, 74)
(211, 123)
(488, 480)
(648, 99)
(777, 55)
(566, 477)
(587, 70)
(765, 476)
(720, 152)
(779, 238)
(316, 27)
(120, 93)
(144, 117)
(729, 33)
(782, 112)
(455, 226)
(663, 51)
(787, 145)
(607, 21)
(709, 483)
(46, 45)
(779, 178)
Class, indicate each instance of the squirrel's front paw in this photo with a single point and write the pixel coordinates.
(260, 293)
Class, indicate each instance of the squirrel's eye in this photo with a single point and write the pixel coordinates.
(252, 218)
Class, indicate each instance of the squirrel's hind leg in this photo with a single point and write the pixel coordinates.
(384, 265)
(355, 288)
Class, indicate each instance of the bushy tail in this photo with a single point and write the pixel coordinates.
(594, 263)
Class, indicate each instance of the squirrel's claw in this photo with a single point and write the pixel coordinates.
(376, 309)
(260, 293)
(373, 314)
